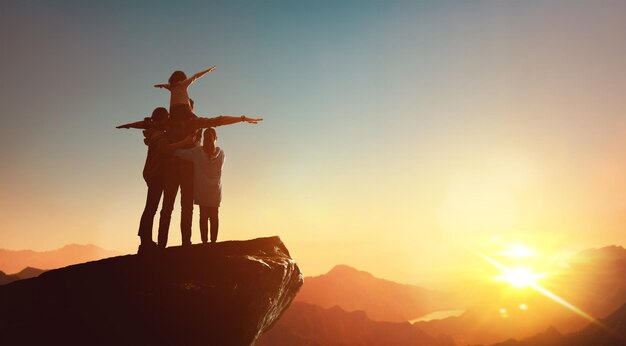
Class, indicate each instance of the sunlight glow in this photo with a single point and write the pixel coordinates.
(518, 250)
(547, 293)
(520, 277)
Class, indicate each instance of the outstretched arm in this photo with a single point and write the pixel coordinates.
(224, 120)
(202, 73)
(166, 86)
(143, 124)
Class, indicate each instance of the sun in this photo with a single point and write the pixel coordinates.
(518, 251)
(520, 277)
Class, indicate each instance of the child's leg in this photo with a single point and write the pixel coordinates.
(215, 222)
(204, 223)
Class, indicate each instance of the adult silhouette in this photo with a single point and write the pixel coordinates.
(154, 170)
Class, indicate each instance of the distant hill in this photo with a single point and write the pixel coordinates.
(5, 279)
(597, 280)
(12, 261)
(30, 272)
(381, 300)
(594, 280)
(305, 324)
(26, 273)
(550, 337)
(613, 335)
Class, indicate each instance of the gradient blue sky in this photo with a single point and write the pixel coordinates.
(393, 130)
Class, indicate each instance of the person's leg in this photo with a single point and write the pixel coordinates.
(170, 189)
(215, 222)
(186, 200)
(155, 190)
(204, 224)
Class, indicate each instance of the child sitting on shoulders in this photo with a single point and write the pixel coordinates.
(178, 83)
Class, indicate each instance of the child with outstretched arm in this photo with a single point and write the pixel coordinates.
(178, 83)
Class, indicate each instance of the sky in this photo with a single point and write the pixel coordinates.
(396, 134)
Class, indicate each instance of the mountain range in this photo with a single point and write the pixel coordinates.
(611, 333)
(306, 324)
(380, 299)
(594, 281)
(12, 261)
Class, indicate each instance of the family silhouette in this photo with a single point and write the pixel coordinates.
(177, 158)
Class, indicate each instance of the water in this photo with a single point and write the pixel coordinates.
(438, 315)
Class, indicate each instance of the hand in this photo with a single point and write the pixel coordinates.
(211, 69)
(122, 127)
(159, 85)
(252, 120)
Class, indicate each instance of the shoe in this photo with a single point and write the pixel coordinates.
(147, 248)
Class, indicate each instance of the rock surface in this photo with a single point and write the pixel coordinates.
(223, 294)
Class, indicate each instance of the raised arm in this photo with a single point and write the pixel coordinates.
(202, 73)
(222, 120)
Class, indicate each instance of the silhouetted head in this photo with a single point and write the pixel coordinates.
(159, 114)
(210, 136)
(176, 77)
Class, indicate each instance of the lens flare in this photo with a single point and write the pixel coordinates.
(509, 272)
(520, 277)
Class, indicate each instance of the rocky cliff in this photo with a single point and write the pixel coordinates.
(223, 294)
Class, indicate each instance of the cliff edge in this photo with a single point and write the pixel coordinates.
(227, 293)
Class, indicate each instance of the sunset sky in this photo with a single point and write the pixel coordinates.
(396, 134)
